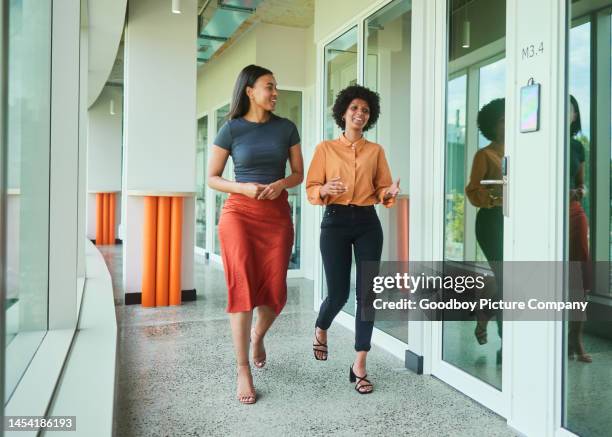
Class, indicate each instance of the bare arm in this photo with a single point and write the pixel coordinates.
(216, 165)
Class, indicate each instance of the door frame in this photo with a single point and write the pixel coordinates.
(299, 273)
(522, 389)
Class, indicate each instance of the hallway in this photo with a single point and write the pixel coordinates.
(176, 376)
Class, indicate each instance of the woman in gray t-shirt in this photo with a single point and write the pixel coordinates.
(255, 228)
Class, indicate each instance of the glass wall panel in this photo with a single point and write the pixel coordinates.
(340, 72)
(471, 226)
(221, 116)
(289, 105)
(587, 357)
(454, 220)
(27, 247)
(387, 71)
(201, 151)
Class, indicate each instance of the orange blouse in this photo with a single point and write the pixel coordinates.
(362, 167)
(486, 165)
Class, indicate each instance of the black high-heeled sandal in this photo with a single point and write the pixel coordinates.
(319, 347)
(358, 388)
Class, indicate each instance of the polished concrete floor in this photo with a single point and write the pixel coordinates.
(176, 376)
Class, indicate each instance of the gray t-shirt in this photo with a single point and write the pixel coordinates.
(259, 150)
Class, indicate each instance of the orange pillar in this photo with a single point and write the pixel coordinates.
(105, 218)
(176, 255)
(111, 218)
(99, 215)
(163, 251)
(149, 251)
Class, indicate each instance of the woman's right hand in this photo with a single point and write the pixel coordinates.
(251, 189)
(334, 187)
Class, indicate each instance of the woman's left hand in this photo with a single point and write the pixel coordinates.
(272, 191)
(393, 190)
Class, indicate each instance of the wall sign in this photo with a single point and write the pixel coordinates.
(530, 107)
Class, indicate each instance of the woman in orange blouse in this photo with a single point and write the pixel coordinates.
(350, 175)
(489, 219)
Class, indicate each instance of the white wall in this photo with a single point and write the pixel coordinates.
(104, 142)
(330, 15)
(216, 79)
(105, 27)
(160, 96)
(282, 50)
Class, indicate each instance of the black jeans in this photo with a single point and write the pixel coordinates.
(490, 237)
(343, 228)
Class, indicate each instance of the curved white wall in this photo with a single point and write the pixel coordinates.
(105, 21)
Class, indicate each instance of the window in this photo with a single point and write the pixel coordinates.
(27, 243)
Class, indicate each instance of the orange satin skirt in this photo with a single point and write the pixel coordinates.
(256, 238)
(579, 242)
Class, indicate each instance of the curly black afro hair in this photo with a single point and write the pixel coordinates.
(488, 117)
(347, 95)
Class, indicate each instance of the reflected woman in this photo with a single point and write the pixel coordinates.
(488, 199)
(578, 235)
(350, 175)
(255, 229)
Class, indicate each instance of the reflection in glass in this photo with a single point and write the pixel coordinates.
(471, 228)
(587, 357)
(201, 150)
(454, 217)
(387, 71)
(27, 249)
(289, 105)
(221, 115)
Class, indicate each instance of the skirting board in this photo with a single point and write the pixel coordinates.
(117, 241)
(136, 298)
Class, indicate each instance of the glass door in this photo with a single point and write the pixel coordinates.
(340, 60)
(587, 352)
(376, 52)
(387, 66)
(473, 218)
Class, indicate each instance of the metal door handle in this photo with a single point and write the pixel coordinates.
(504, 183)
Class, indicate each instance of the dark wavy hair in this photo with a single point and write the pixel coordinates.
(575, 126)
(346, 96)
(488, 117)
(247, 77)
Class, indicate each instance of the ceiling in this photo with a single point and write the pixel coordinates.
(292, 13)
